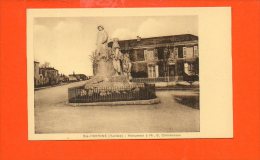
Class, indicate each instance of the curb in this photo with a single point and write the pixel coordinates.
(135, 102)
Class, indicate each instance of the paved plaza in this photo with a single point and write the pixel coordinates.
(53, 115)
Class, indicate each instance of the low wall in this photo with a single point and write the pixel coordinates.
(111, 94)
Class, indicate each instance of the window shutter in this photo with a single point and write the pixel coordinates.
(184, 52)
(196, 53)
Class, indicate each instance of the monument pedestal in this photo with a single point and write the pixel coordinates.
(114, 89)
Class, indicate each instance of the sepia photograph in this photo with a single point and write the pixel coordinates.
(115, 76)
(126, 80)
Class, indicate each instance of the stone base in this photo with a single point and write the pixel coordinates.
(111, 90)
(116, 103)
(114, 81)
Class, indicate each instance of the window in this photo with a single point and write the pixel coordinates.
(160, 53)
(187, 52)
(140, 54)
(149, 55)
(153, 71)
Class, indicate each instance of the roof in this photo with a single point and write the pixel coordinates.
(178, 37)
(132, 43)
(48, 68)
(77, 75)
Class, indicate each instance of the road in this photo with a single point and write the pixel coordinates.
(53, 115)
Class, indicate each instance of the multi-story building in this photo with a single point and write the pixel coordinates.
(169, 58)
(50, 75)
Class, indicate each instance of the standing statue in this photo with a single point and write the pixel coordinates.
(109, 64)
(117, 57)
(102, 38)
(127, 66)
(111, 82)
(104, 63)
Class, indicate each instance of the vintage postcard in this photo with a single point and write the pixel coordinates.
(129, 73)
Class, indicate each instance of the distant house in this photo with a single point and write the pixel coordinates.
(167, 57)
(77, 77)
(72, 78)
(50, 75)
(81, 77)
(63, 78)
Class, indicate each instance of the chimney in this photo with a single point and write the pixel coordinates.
(138, 38)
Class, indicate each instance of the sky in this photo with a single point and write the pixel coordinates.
(67, 43)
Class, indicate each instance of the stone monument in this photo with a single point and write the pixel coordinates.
(111, 82)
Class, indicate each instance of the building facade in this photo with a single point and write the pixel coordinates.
(167, 58)
(37, 78)
(49, 76)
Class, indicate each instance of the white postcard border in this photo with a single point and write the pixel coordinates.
(216, 107)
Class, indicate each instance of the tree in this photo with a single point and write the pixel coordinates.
(94, 58)
(45, 65)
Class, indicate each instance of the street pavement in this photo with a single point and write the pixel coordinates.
(53, 115)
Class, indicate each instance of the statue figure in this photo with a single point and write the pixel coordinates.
(127, 65)
(102, 38)
(107, 61)
(104, 63)
(111, 76)
(117, 57)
